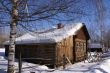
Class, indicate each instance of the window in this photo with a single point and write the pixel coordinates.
(85, 46)
(77, 46)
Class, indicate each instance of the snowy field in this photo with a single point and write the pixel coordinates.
(80, 67)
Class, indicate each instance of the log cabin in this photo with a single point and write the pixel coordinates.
(49, 47)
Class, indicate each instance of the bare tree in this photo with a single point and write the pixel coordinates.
(19, 12)
(0, 36)
(107, 39)
(3, 36)
(100, 14)
(14, 21)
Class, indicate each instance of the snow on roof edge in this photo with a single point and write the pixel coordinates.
(95, 45)
(55, 36)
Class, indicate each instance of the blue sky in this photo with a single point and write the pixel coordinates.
(90, 19)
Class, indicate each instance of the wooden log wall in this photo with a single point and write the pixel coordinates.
(65, 47)
(37, 53)
(80, 47)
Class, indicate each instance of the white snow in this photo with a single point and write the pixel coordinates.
(2, 50)
(80, 67)
(51, 36)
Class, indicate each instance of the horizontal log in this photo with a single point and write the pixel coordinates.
(36, 58)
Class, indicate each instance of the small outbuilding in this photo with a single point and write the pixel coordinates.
(95, 47)
(49, 47)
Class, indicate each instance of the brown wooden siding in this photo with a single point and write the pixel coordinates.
(81, 34)
(64, 47)
(39, 53)
(80, 48)
(81, 45)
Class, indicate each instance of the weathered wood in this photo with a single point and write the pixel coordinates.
(65, 47)
(81, 51)
(52, 53)
(68, 60)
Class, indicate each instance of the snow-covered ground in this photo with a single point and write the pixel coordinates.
(80, 67)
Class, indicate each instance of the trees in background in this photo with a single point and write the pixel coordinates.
(3, 37)
(107, 39)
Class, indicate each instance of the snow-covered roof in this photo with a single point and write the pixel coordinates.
(50, 37)
(95, 45)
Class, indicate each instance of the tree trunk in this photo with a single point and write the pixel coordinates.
(11, 55)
